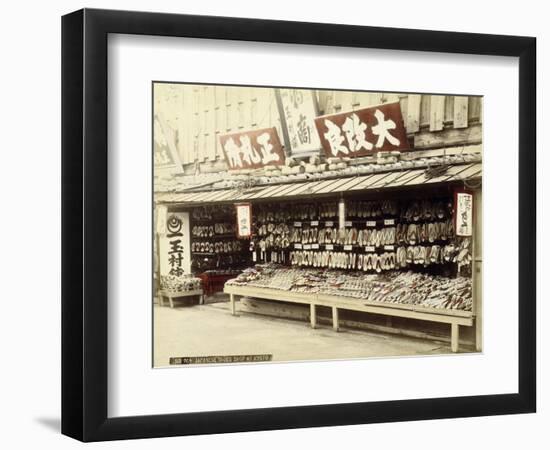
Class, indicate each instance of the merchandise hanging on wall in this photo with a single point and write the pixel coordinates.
(308, 202)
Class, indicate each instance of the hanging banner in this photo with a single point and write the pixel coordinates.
(244, 220)
(175, 246)
(363, 132)
(464, 207)
(253, 149)
(300, 110)
(160, 219)
(341, 214)
(165, 153)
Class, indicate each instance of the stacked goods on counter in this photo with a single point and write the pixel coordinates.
(174, 283)
(407, 288)
(214, 243)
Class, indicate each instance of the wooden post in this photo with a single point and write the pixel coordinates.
(413, 113)
(232, 299)
(282, 117)
(335, 323)
(313, 316)
(477, 270)
(454, 337)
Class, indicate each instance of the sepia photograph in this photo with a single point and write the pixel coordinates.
(314, 224)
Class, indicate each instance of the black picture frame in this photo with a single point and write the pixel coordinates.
(84, 224)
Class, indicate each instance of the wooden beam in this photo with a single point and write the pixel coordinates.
(399, 310)
(301, 313)
(449, 137)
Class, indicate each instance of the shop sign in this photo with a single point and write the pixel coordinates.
(244, 220)
(174, 246)
(165, 153)
(464, 207)
(253, 149)
(300, 110)
(363, 132)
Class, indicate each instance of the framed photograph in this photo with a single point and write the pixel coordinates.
(274, 225)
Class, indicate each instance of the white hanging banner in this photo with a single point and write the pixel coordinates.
(341, 214)
(464, 206)
(300, 110)
(162, 212)
(244, 219)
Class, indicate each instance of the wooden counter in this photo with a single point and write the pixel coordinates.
(450, 316)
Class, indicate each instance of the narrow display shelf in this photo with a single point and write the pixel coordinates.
(214, 237)
(219, 254)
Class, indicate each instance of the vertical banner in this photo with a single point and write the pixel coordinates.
(165, 153)
(175, 246)
(464, 207)
(244, 220)
(161, 217)
(341, 214)
(300, 110)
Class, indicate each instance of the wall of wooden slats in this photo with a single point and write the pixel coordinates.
(201, 113)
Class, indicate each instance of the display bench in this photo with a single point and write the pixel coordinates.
(454, 318)
(171, 295)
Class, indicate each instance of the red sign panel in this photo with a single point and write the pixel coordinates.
(363, 132)
(253, 149)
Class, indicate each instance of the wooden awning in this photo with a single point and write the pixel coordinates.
(304, 189)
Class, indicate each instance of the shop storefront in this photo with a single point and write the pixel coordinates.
(366, 224)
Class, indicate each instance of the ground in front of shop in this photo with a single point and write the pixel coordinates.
(210, 330)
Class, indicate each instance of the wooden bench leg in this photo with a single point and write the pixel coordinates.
(171, 300)
(313, 316)
(454, 337)
(232, 300)
(335, 323)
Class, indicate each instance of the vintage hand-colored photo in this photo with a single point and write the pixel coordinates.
(314, 224)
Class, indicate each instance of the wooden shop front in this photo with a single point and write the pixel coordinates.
(338, 203)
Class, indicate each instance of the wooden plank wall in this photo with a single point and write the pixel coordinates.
(201, 113)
